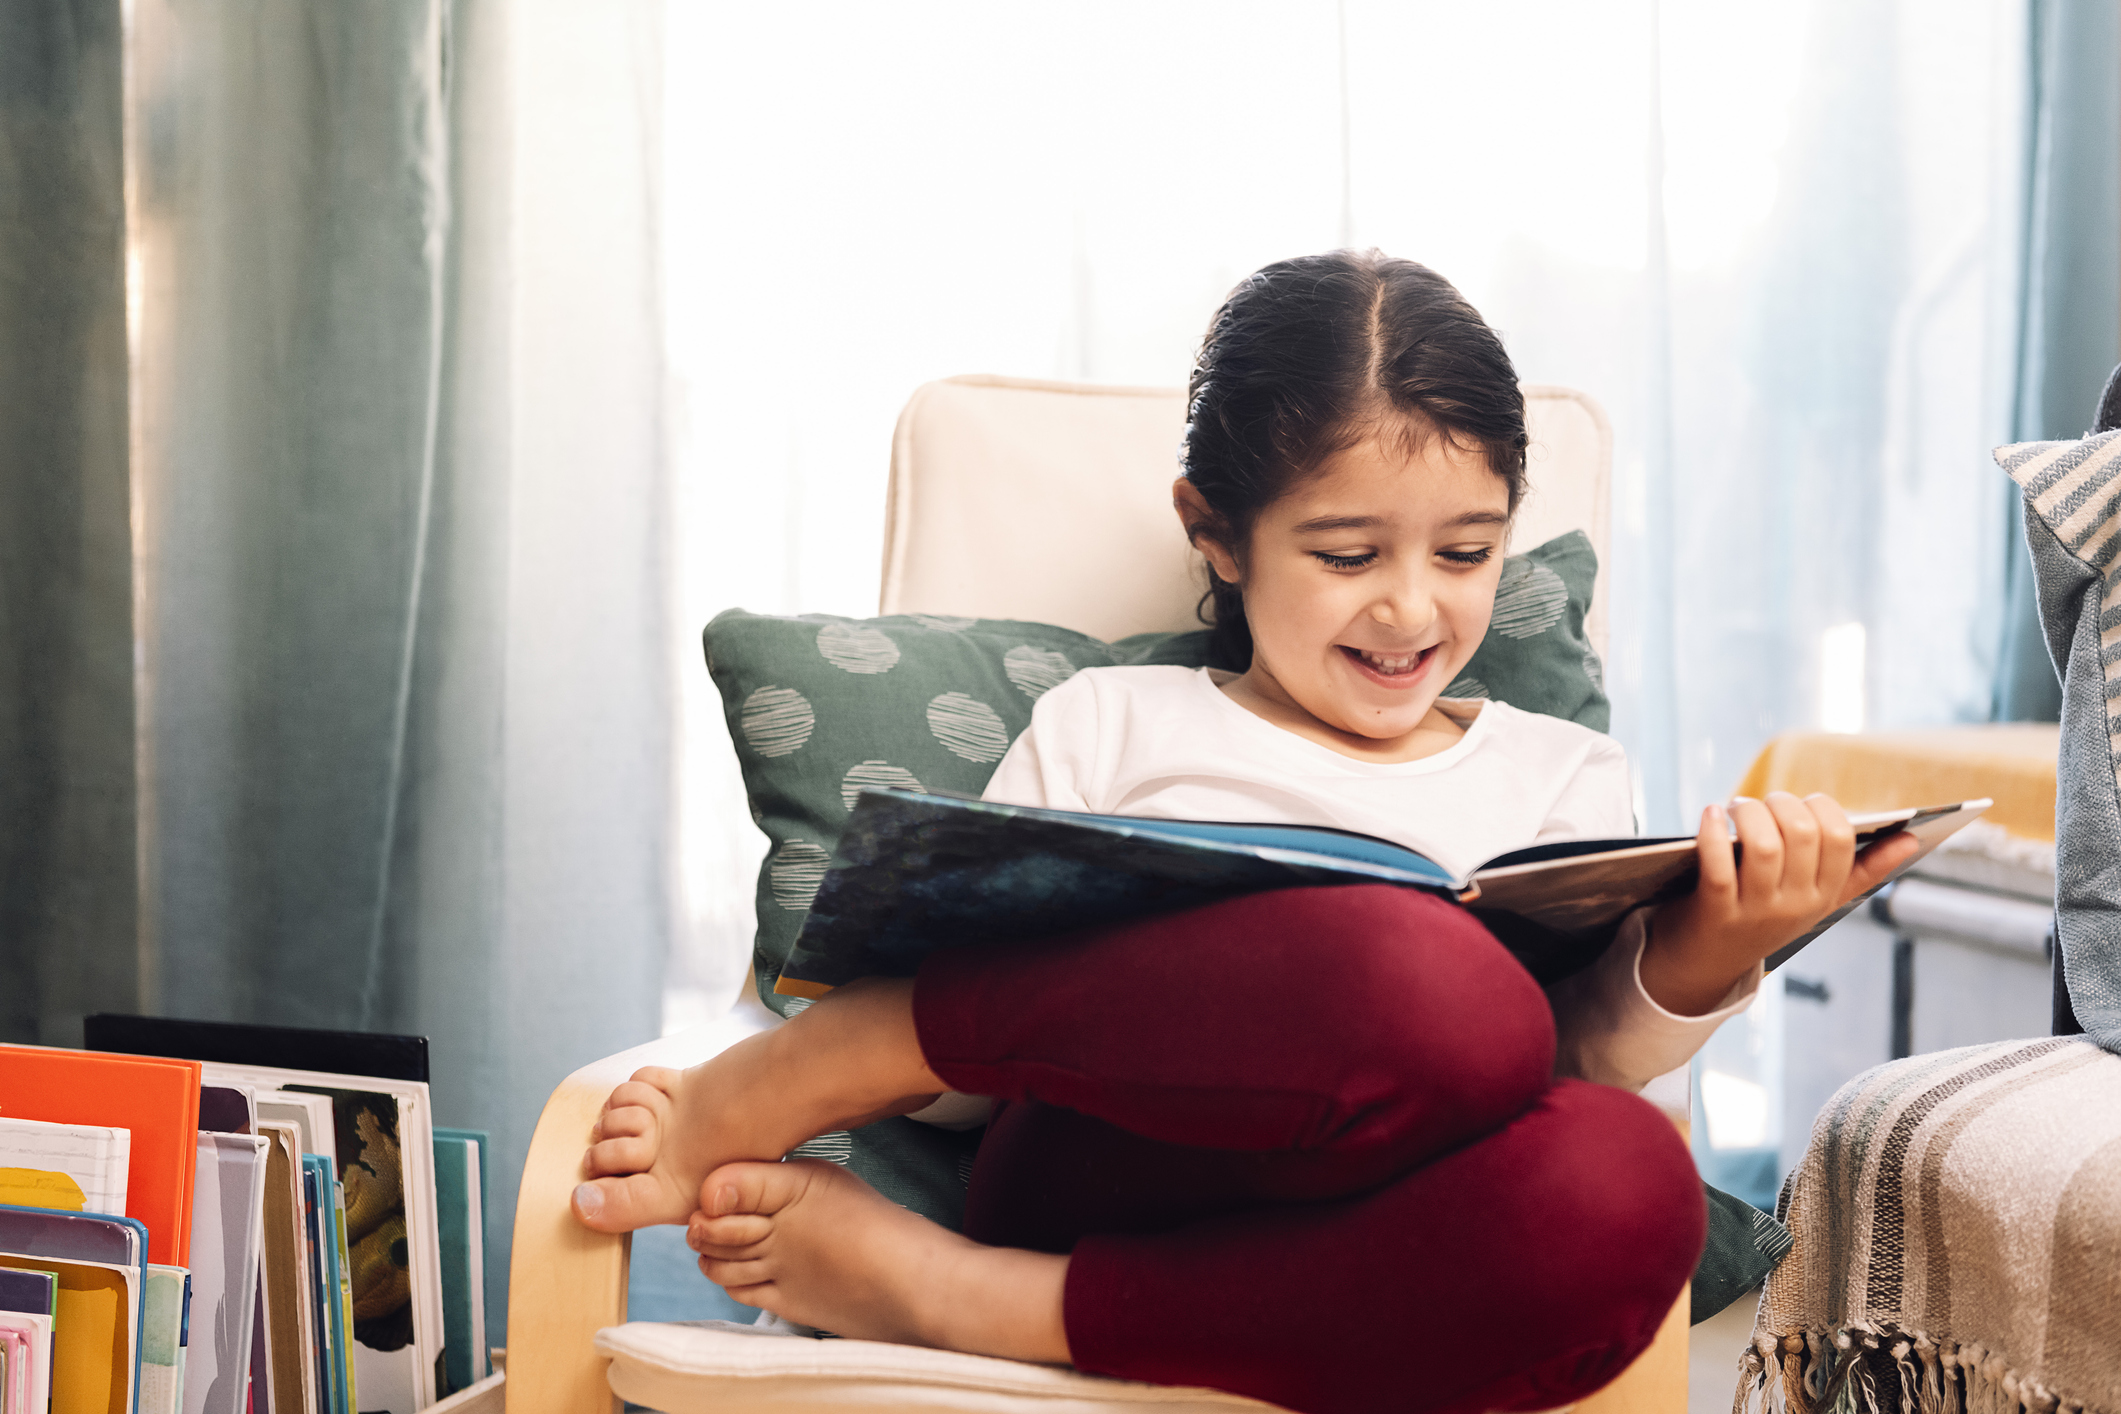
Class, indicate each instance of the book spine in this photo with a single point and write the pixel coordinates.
(344, 1265)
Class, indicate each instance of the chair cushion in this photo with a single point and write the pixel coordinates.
(820, 707)
(716, 1367)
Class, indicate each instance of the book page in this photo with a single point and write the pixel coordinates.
(75, 1168)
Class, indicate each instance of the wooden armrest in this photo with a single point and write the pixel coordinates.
(565, 1283)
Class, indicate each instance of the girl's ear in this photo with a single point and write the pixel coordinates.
(1202, 527)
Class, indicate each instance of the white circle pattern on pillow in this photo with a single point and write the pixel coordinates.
(857, 649)
(968, 727)
(875, 773)
(776, 721)
(1592, 668)
(797, 869)
(1529, 600)
(1036, 671)
(1466, 687)
(946, 623)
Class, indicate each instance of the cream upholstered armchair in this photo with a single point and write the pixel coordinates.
(1047, 502)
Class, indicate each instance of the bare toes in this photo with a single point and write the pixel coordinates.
(625, 1122)
(625, 1204)
(621, 1156)
(752, 1274)
(634, 1093)
(727, 1234)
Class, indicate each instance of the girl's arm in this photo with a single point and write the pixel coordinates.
(1799, 863)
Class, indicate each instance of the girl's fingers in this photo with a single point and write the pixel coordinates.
(1800, 840)
(1837, 843)
(1877, 862)
(1712, 847)
(1759, 850)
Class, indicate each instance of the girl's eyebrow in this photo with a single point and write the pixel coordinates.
(1336, 523)
(1317, 523)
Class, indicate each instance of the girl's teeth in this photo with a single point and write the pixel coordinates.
(1391, 666)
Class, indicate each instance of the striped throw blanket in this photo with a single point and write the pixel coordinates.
(1958, 1242)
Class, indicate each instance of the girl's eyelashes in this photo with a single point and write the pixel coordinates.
(1466, 558)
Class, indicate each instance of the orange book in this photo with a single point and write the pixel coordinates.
(158, 1100)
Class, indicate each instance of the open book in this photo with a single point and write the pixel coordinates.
(918, 871)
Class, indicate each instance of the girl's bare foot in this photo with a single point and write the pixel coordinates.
(812, 1243)
(844, 1062)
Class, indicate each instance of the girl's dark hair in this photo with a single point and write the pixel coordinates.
(1308, 357)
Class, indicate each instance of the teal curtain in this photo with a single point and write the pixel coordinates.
(2070, 314)
(363, 544)
(68, 917)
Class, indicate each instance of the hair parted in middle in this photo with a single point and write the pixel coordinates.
(1311, 356)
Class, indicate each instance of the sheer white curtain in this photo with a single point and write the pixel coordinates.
(1779, 243)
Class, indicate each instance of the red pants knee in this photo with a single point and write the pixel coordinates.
(1358, 1030)
(1521, 1272)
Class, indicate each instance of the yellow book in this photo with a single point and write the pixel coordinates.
(92, 1335)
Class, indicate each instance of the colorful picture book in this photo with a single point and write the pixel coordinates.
(155, 1099)
(79, 1168)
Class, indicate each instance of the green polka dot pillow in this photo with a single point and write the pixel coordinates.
(820, 707)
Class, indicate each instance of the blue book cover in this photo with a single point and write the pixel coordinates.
(342, 1302)
(324, 1285)
(106, 1238)
(460, 1186)
(453, 1219)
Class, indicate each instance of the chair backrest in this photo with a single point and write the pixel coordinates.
(1013, 498)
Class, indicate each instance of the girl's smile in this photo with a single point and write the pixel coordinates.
(1398, 672)
(1367, 589)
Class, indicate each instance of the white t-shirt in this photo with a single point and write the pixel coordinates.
(1165, 742)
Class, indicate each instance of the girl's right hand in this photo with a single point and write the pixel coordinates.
(1798, 863)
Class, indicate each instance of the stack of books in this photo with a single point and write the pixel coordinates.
(204, 1218)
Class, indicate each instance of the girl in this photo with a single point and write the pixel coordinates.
(1218, 1123)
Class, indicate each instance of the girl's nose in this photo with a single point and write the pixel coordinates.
(1406, 605)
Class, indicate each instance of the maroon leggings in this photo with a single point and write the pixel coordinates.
(1307, 1146)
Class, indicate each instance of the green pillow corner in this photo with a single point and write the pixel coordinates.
(821, 706)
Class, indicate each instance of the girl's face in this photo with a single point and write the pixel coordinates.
(1369, 587)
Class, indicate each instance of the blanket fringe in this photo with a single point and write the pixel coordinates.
(1862, 1368)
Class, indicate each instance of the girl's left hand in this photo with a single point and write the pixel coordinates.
(1797, 865)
